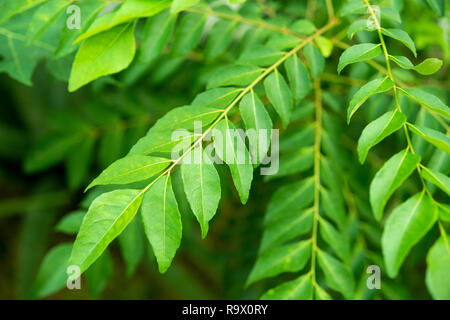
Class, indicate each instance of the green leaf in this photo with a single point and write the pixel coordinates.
(303, 26)
(130, 169)
(325, 46)
(219, 39)
(377, 130)
(279, 96)
(107, 217)
(218, 98)
(103, 54)
(294, 162)
(438, 6)
(79, 160)
(98, 274)
(428, 100)
(52, 272)
(389, 178)
(288, 258)
(290, 198)
(180, 5)
(130, 10)
(321, 294)
(49, 151)
(365, 92)
(202, 186)
(159, 138)
(402, 62)
(89, 10)
(256, 117)
(337, 275)
(298, 77)
(71, 223)
(353, 7)
(156, 34)
(44, 17)
(429, 66)
(162, 221)
(335, 240)
(426, 67)
(438, 264)
(188, 33)
(439, 179)
(287, 227)
(11, 8)
(436, 138)
(357, 26)
(231, 149)
(401, 36)
(407, 224)
(234, 75)
(358, 53)
(316, 62)
(131, 243)
(300, 288)
(261, 56)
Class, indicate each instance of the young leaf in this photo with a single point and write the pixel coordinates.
(288, 258)
(407, 224)
(316, 61)
(279, 96)
(401, 36)
(438, 264)
(377, 130)
(365, 92)
(338, 276)
(107, 217)
(298, 77)
(103, 54)
(429, 66)
(52, 274)
(202, 187)
(357, 53)
(130, 169)
(428, 100)
(325, 45)
(300, 288)
(434, 137)
(231, 149)
(162, 221)
(393, 173)
(439, 179)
